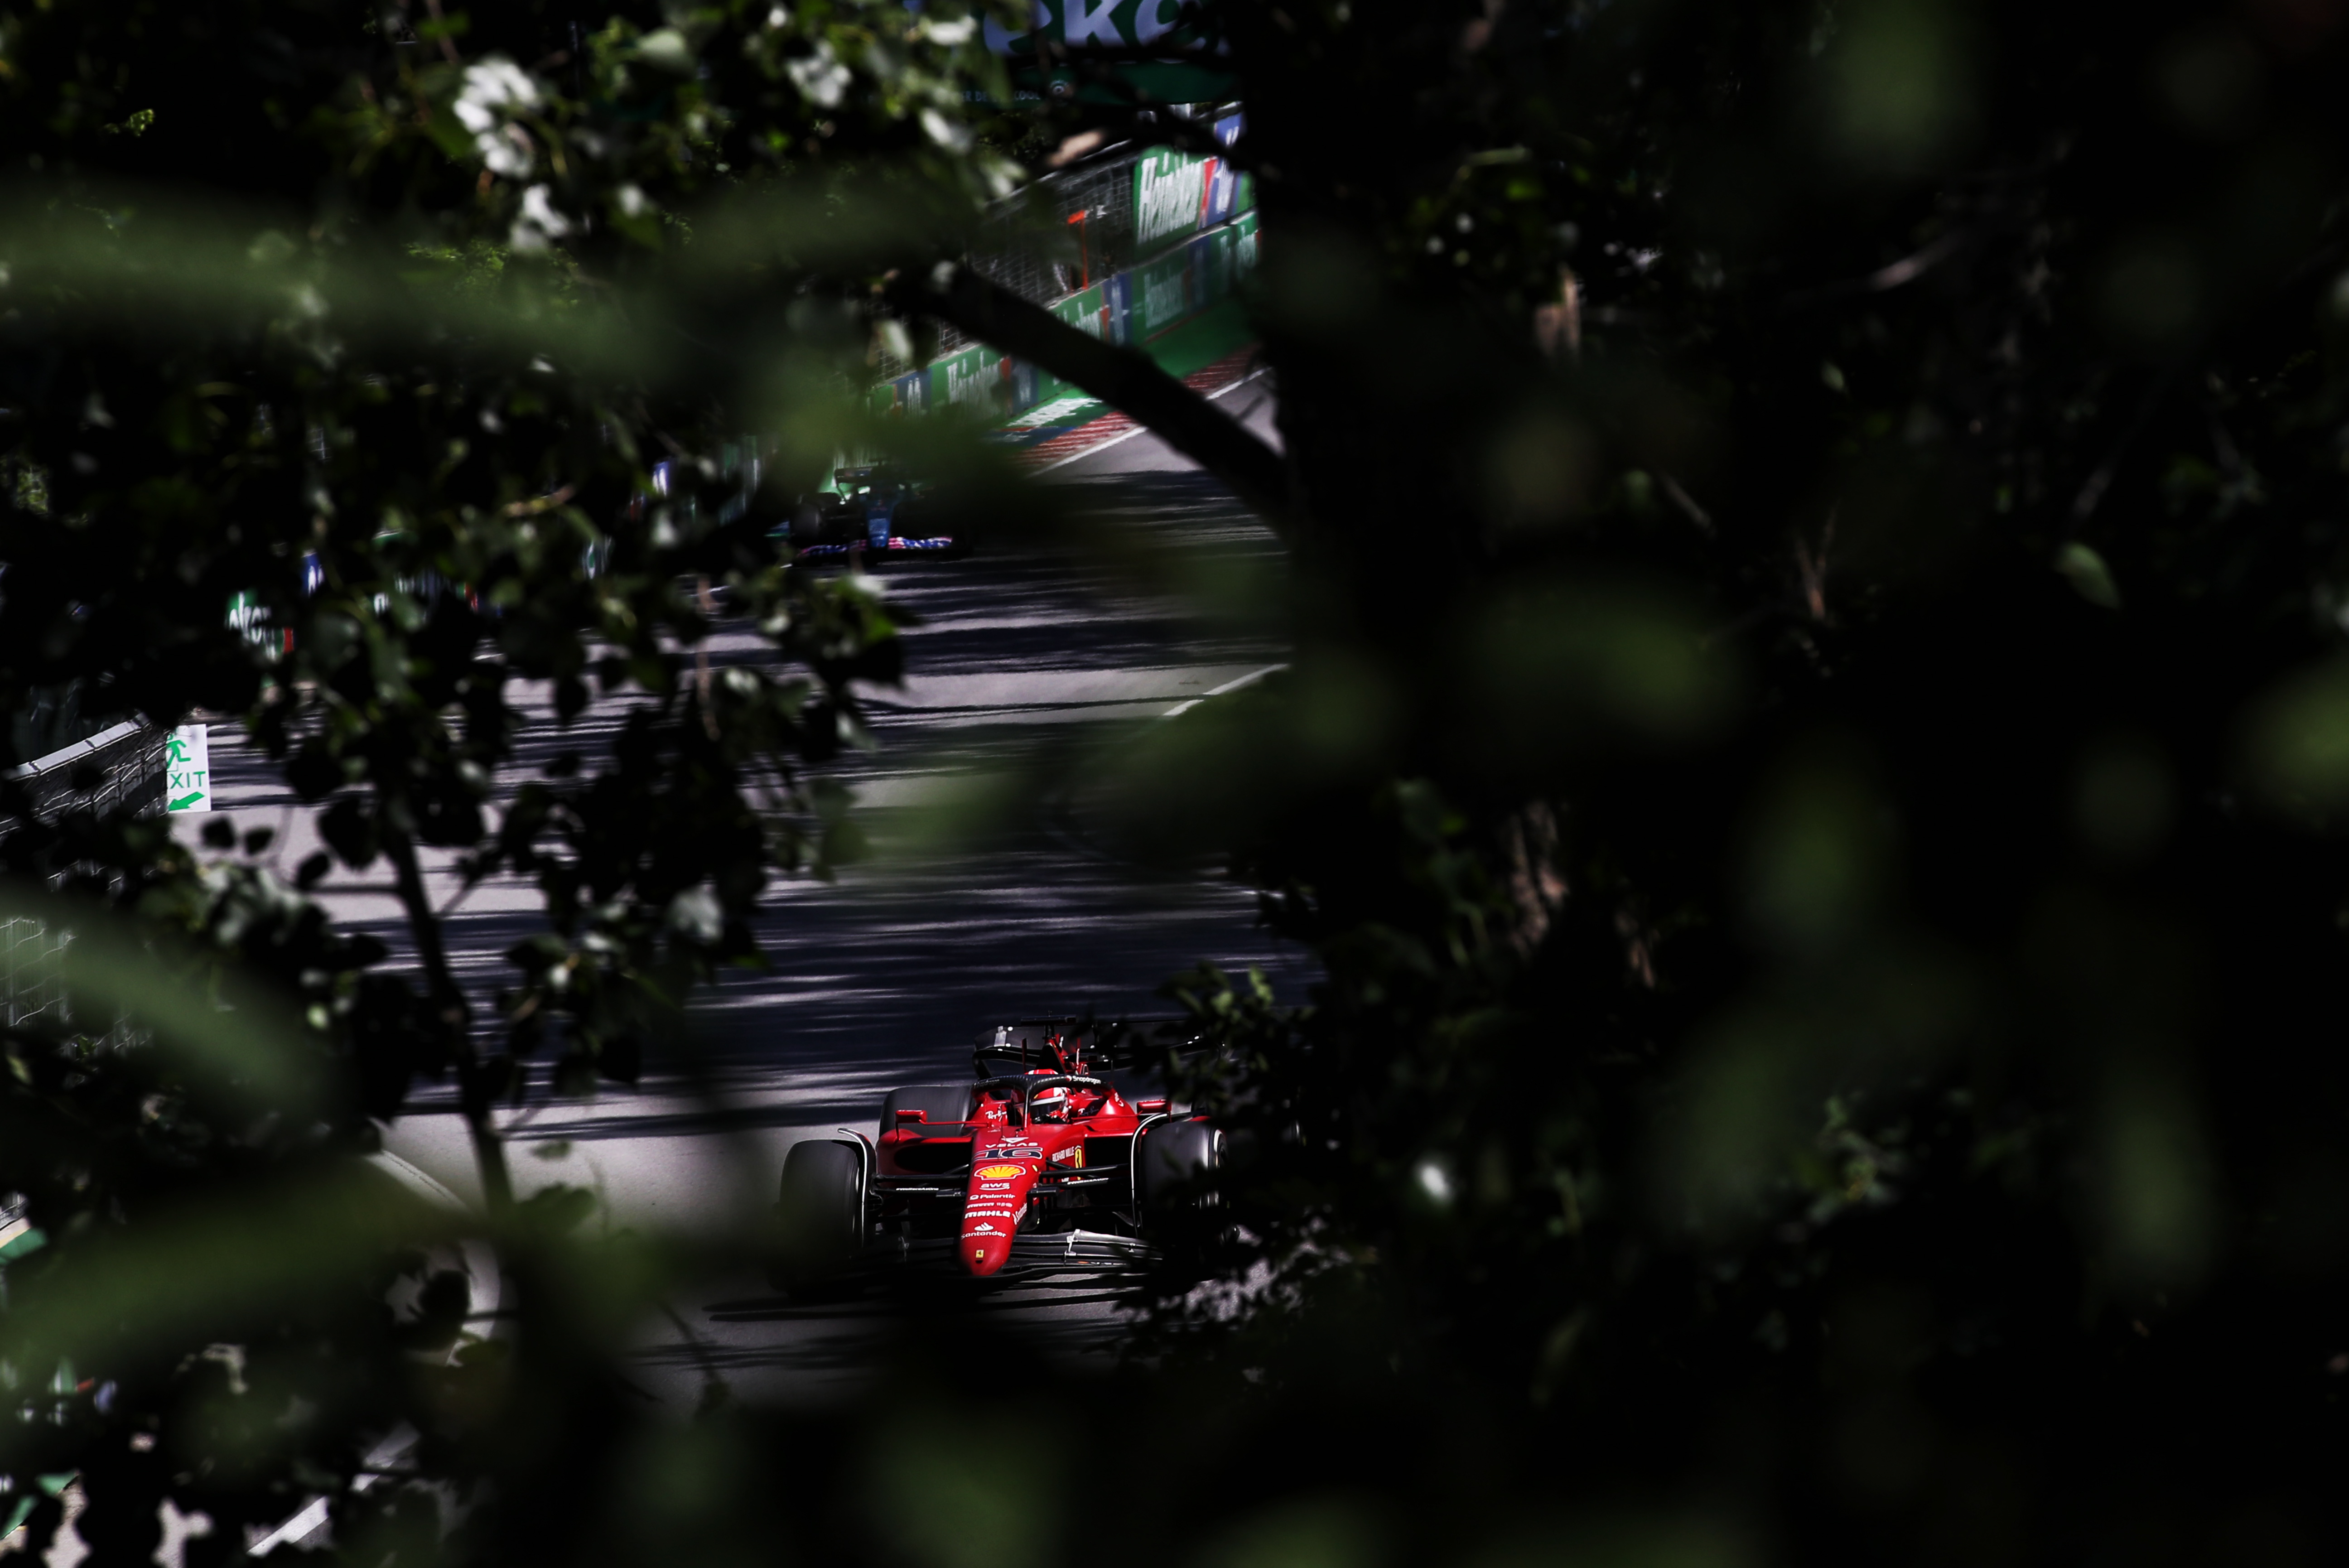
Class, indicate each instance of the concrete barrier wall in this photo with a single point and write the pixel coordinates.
(120, 766)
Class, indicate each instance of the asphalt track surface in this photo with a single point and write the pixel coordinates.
(884, 976)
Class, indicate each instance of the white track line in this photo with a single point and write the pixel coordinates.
(1139, 427)
(1248, 679)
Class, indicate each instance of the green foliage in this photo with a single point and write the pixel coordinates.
(350, 320)
(1884, 860)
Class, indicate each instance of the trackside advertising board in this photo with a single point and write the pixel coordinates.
(1129, 307)
(1187, 279)
(983, 380)
(1176, 194)
(979, 376)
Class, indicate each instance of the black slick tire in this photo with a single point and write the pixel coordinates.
(939, 1103)
(822, 1213)
(1169, 1160)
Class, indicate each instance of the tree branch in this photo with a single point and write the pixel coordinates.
(1124, 379)
(474, 1094)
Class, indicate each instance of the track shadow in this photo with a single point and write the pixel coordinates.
(884, 975)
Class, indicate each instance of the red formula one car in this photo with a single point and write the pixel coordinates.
(1040, 1164)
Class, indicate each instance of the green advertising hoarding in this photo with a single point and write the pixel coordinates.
(1186, 278)
(1091, 312)
(1163, 293)
(1179, 195)
(1189, 278)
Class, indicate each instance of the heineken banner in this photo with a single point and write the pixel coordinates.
(982, 376)
(1189, 278)
(983, 379)
(908, 394)
(1185, 72)
(1089, 312)
(1186, 278)
(1176, 194)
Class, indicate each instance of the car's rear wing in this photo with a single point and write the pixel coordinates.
(1109, 1043)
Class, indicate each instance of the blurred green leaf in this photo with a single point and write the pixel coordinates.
(2089, 577)
(1822, 849)
(229, 1034)
(209, 1269)
(1328, 1532)
(2295, 743)
(1761, 1095)
(2161, 1219)
(1598, 666)
(1899, 84)
(1622, 1539)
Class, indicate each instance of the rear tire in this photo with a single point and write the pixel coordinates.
(1169, 1160)
(842, 525)
(806, 526)
(939, 1103)
(822, 1209)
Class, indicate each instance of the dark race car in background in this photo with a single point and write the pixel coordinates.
(876, 508)
(1054, 1157)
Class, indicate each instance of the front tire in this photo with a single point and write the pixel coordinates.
(822, 1211)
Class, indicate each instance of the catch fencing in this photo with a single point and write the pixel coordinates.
(1163, 235)
(1082, 230)
(122, 767)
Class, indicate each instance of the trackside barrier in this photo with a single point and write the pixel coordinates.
(1177, 194)
(1130, 307)
(122, 766)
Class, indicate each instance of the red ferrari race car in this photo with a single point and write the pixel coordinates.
(1039, 1165)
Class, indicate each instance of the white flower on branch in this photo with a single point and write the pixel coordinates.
(819, 77)
(949, 134)
(540, 224)
(495, 88)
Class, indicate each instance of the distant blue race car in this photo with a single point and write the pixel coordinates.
(875, 508)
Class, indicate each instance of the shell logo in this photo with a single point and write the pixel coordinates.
(1000, 1173)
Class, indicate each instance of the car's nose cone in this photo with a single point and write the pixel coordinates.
(996, 1202)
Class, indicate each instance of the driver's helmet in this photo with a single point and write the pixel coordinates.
(1049, 1104)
